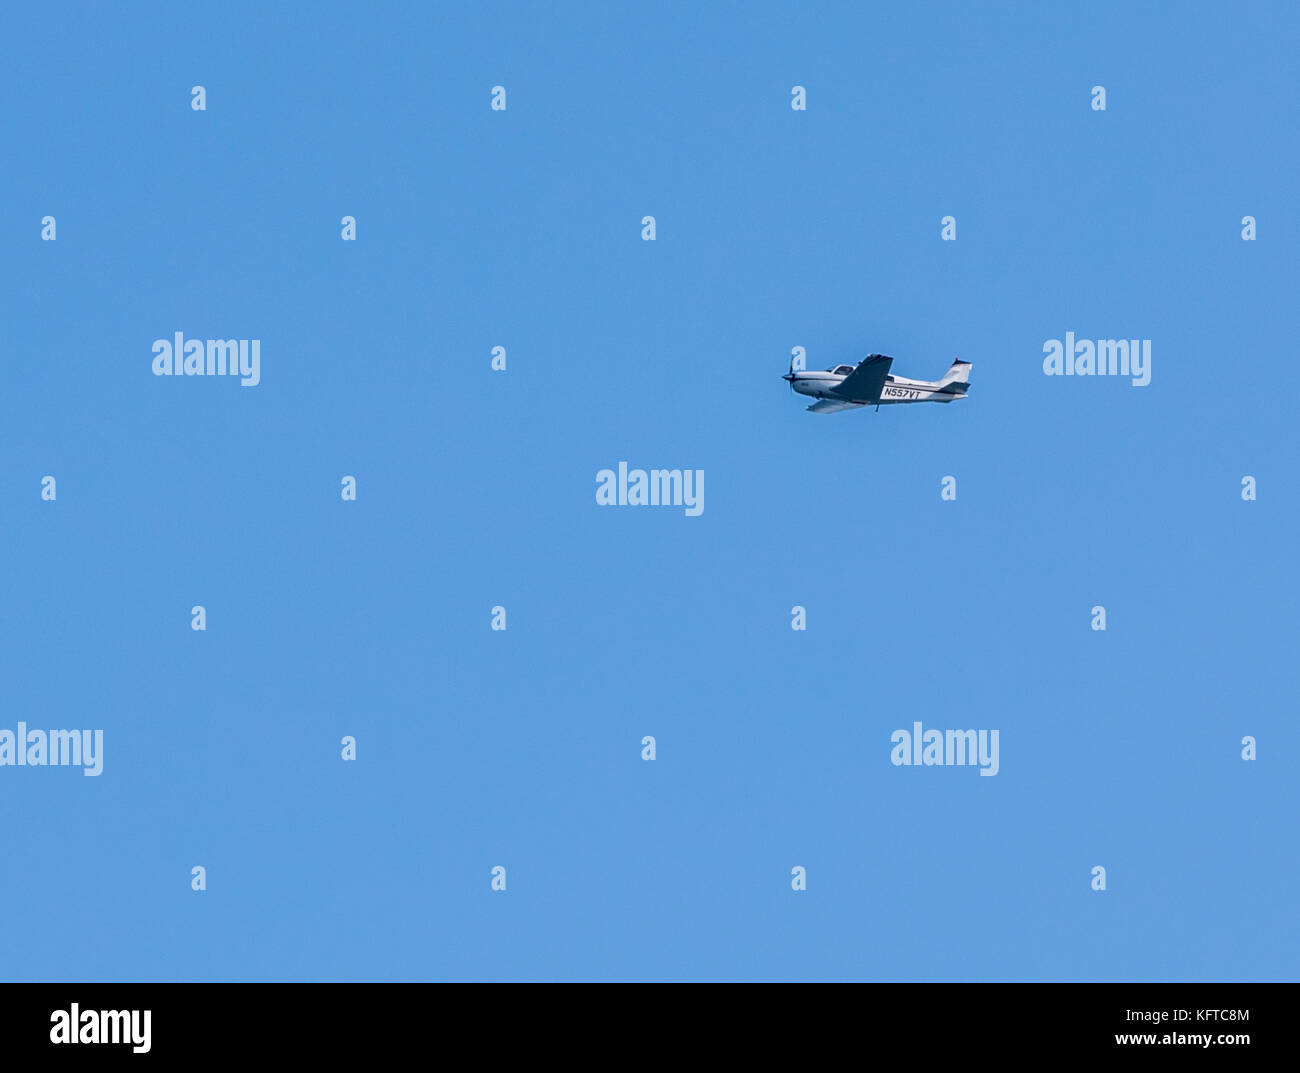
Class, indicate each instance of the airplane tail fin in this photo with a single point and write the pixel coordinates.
(957, 376)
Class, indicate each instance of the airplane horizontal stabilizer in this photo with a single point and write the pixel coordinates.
(956, 378)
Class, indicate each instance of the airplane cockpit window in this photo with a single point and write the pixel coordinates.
(842, 370)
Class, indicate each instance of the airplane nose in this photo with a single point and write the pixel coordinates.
(788, 378)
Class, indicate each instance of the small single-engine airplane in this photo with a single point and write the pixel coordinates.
(850, 387)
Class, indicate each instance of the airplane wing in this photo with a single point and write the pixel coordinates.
(833, 406)
(865, 383)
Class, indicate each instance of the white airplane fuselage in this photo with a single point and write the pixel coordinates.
(820, 384)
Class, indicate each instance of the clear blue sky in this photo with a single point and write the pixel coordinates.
(776, 229)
